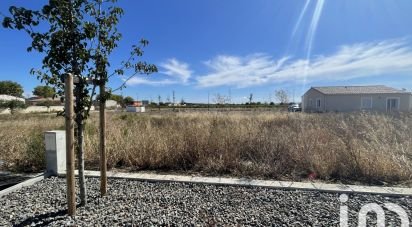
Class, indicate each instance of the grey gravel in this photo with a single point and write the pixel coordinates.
(136, 203)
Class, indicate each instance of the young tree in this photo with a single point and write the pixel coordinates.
(8, 87)
(220, 99)
(77, 37)
(44, 91)
(282, 96)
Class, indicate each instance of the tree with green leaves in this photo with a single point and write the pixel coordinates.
(117, 98)
(8, 87)
(44, 91)
(78, 36)
(128, 100)
(12, 105)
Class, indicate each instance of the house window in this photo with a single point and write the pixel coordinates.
(318, 103)
(366, 103)
(392, 104)
(310, 102)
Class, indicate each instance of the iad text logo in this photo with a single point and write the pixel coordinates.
(369, 208)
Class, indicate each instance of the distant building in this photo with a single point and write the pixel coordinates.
(136, 103)
(140, 103)
(355, 98)
(145, 102)
(41, 101)
(136, 109)
(110, 104)
(10, 98)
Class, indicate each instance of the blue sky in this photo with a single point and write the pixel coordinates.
(247, 46)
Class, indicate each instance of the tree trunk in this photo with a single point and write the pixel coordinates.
(80, 158)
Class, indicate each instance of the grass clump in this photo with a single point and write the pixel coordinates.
(371, 148)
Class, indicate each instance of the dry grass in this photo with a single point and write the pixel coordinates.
(363, 147)
(22, 140)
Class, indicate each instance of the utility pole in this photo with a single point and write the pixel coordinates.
(69, 122)
(230, 99)
(158, 103)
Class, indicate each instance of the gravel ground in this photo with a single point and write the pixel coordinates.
(135, 203)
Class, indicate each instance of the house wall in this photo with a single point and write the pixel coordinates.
(349, 103)
(410, 102)
(309, 100)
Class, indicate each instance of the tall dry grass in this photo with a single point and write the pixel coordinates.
(22, 140)
(363, 147)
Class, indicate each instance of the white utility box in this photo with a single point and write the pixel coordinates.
(55, 151)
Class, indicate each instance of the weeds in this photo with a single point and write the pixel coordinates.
(372, 148)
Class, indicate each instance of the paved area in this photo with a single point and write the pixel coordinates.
(8, 179)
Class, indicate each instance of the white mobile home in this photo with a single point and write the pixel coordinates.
(355, 98)
(136, 109)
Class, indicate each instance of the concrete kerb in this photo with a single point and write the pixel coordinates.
(25, 183)
(284, 185)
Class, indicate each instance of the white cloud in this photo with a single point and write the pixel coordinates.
(176, 71)
(348, 62)
(144, 81)
(174, 68)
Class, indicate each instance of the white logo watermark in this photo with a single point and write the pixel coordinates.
(369, 208)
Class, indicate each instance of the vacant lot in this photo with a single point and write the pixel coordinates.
(372, 148)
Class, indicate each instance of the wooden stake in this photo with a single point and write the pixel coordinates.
(103, 161)
(69, 109)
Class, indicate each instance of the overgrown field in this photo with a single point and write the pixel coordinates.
(363, 147)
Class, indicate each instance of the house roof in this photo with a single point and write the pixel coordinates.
(9, 98)
(373, 89)
(42, 99)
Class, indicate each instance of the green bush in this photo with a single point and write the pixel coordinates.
(12, 105)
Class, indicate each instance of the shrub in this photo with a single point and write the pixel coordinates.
(12, 105)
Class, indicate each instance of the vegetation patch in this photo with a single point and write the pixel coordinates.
(371, 148)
